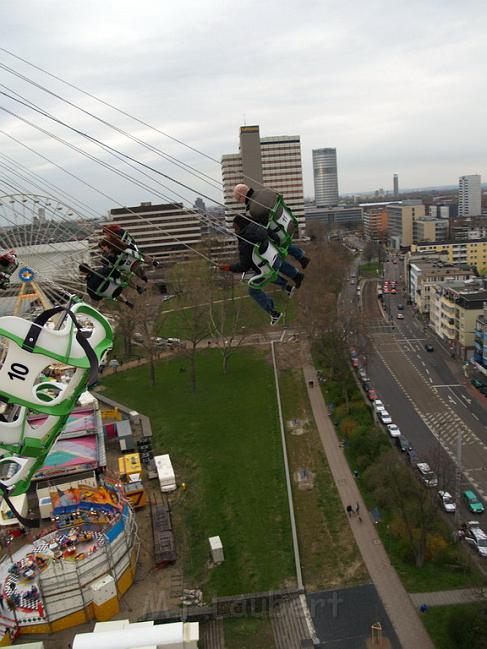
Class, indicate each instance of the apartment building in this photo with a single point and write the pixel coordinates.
(165, 231)
(472, 252)
(375, 222)
(480, 342)
(424, 275)
(400, 218)
(273, 162)
(454, 310)
(427, 228)
(469, 196)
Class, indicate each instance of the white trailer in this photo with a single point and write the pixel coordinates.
(165, 473)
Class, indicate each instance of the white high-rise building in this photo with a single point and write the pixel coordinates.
(325, 177)
(273, 162)
(469, 196)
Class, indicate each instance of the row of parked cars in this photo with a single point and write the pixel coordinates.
(480, 385)
(426, 474)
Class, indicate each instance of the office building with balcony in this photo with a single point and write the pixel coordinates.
(472, 253)
(425, 275)
(480, 341)
(273, 162)
(454, 310)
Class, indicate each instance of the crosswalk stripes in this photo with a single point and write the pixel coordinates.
(446, 425)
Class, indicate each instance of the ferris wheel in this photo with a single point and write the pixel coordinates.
(50, 239)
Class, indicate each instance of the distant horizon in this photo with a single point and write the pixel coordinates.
(411, 189)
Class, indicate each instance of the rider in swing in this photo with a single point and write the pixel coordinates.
(251, 233)
(258, 204)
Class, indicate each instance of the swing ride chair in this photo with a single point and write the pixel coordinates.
(32, 347)
(120, 273)
(7, 270)
(265, 262)
(282, 224)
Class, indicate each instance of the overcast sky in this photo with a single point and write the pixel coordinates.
(395, 86)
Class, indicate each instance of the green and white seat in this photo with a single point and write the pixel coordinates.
(264, 260)
(282, 224)
(33, 346)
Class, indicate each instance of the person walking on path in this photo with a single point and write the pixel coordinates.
(349, 511)
(357, 508)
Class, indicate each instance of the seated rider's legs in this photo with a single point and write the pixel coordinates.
(295, 251)
(286, 268)
(262, 299)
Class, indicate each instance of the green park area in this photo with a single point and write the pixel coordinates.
(224, 442)
(369, 270)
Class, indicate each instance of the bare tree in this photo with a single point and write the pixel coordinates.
(395, 485)
(225, 317)
(370, 251)
(191, 281)
(147, 318)
(126, 323)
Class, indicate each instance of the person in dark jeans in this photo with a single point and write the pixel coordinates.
(251, 234)
(258, 204)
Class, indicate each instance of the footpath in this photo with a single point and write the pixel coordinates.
(397, 602)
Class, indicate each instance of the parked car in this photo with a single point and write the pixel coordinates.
(447, 502)
(472, 502)
(385, 417)
(355, 362)
(372, 394)
(393, 430)
(368, 387)
(378, 405)
(477, 384)
(475, 536)
(400, 307)
(429, 348)
(403, 444)
(412, 456)
(427, 476)
(400, 316)
(363, 374)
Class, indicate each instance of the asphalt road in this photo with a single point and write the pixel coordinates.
(425, 392)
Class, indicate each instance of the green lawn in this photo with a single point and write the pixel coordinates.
(224, 443)
(248, 633)
(329, 555)
(437, 619)
(173, 322)
(369, 270)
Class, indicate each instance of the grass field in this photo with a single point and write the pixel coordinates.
(329, 555)
(437, 619)
(224, 443)
(369, 270)
(248, 633)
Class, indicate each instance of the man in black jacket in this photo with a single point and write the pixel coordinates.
(250, 234)
(259, 203)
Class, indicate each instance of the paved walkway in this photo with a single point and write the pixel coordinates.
(399, 607)
(446, 597)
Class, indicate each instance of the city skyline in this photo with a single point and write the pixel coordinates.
(145, 61)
